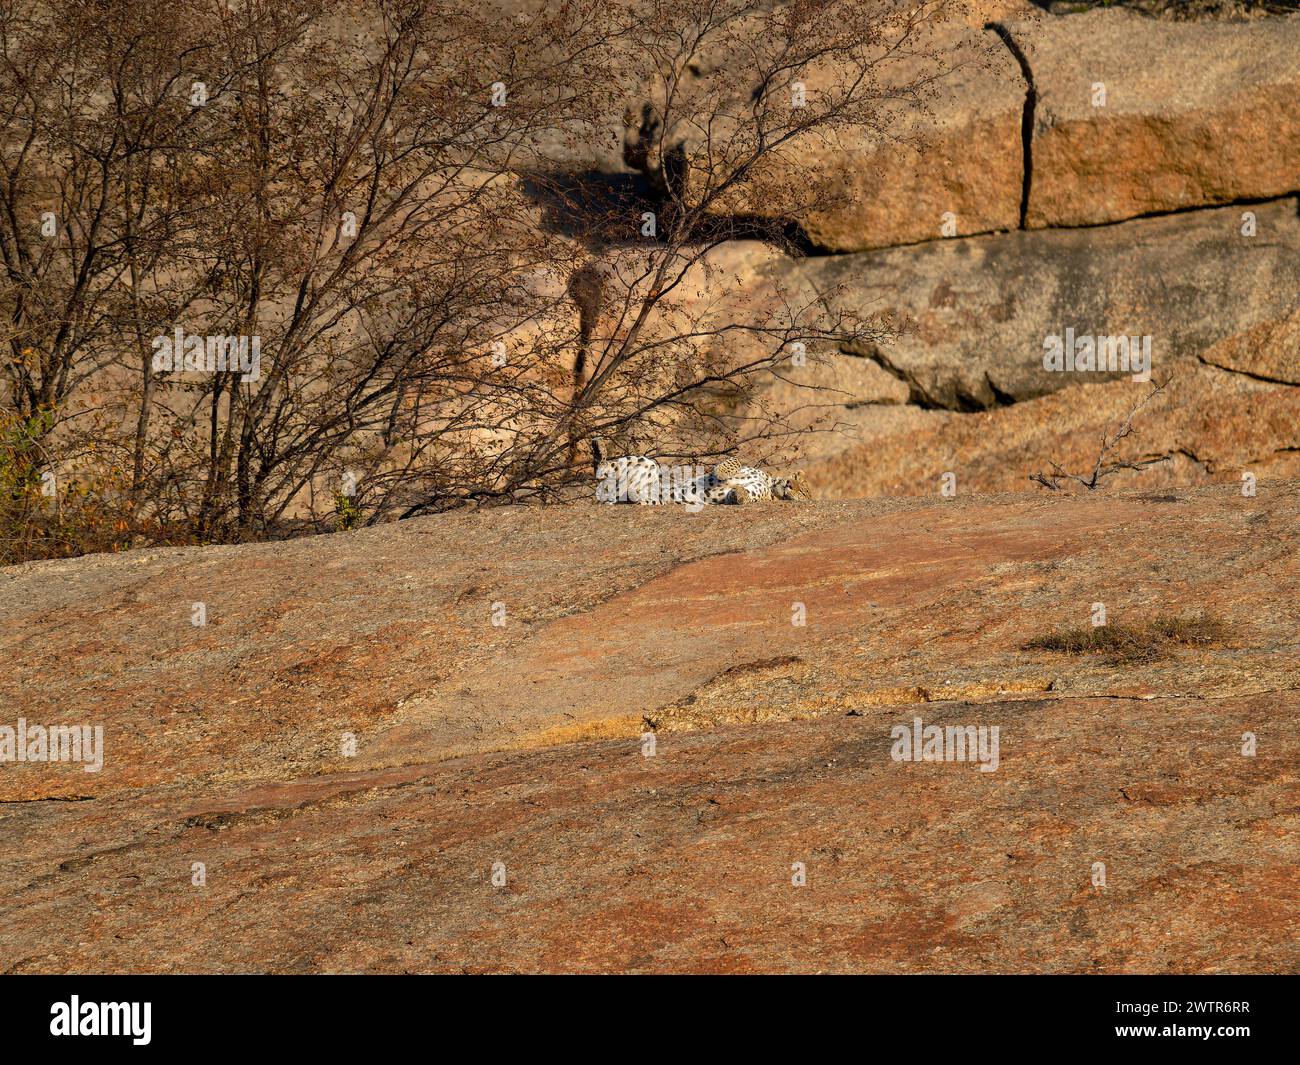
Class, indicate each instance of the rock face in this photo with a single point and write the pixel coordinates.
(985, 307)
(516, 753)
(951, 164)
(1125, 116)
(1194, 115)
(1269, 351)
(967, 390)
(1136, 116)
(1208, 426)
(959, 166)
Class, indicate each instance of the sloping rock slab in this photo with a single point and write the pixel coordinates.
(608, 861)
(501, 814)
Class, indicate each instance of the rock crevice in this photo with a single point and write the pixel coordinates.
(1026, 119)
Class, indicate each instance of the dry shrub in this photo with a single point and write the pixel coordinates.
(1143, 641)
(449, 308)
(44, 515)
(1181, 10)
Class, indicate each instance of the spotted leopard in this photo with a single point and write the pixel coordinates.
(749, 483)
(642, 480)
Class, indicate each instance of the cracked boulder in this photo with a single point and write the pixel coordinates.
(967, 390)
(982, 310)
(1137, 116)
(1210, 425)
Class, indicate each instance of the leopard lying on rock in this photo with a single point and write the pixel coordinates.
(642, 480)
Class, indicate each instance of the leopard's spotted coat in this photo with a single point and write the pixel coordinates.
(642, 480)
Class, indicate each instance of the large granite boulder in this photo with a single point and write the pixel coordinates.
(985, 309)
(1136, 116)
(939, 152)
(967, 391)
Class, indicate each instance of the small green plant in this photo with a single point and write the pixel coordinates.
(1142, 641)
(23, 508)
(47, 508)
(347, 513)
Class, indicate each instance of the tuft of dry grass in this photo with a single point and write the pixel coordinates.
(1180, 10)
(1143, 641)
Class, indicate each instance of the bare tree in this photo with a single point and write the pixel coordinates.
(379, 194)
(723, 122)
(333, 179)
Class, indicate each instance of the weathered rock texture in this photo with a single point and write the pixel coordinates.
(1208, 426)
(1194, 113)
(982, 308)
(1124, 116)
(520, 744)
(960, 164)
(966, 391)
(954, 160)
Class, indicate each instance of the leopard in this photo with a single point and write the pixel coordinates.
(643, 480)
(630, 479)
(750, 484)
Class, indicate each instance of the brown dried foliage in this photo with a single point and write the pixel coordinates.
(450, 311)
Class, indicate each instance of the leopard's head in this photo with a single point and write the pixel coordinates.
(793, 487)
